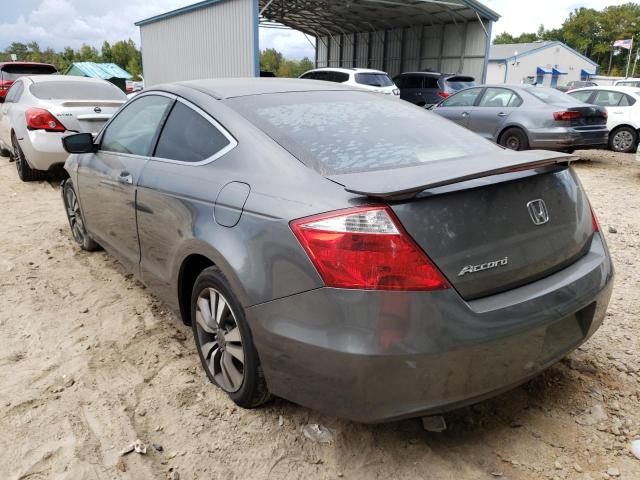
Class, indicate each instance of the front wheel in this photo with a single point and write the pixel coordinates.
(623, 140)
(74, 215)
(514, 139)
(224, 342)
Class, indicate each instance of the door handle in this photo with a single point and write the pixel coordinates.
(125, 177)
(502, 114)
(465, 114)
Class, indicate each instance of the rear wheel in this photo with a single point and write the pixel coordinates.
(25, 172)
(76, 222)
(623, 140)
(514, 139)
(224, 341)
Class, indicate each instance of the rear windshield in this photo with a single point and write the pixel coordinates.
(550, 96)
(74, 90)
(347, 132)
(12, 72)
(628, 84)
(374, 79)
(458, 83)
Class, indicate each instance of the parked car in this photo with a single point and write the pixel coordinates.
(623, 107)
(10, 71)
(524, 117)
(576, 84)
(39, 110)
(356, 255)
(363, 78)
(429, 88)
(627, 82)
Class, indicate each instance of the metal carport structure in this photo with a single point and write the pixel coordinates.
(451, 36)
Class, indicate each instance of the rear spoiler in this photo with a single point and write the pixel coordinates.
(406, 182)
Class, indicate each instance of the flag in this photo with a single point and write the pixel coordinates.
(623, 43)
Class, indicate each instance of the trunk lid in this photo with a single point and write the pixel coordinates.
(85, 116)
(489, 223)
(590, 116)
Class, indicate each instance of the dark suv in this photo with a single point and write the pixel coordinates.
(429, 88)
(9, 71)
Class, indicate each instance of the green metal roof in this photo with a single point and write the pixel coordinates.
(100, 70)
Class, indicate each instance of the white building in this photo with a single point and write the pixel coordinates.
(219, 38)
(546, 63)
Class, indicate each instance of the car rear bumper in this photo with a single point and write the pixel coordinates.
(43, 149)
(377, 356)
(562, 138)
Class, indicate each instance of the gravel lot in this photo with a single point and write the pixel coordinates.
(90, 361)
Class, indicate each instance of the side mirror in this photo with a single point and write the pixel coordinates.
(79, 143)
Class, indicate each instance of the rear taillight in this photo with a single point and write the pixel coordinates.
(366, 248)
(594, 220)
(4, 87)
(605, 114)
(41, 119)
(444, 94)
(566, 116)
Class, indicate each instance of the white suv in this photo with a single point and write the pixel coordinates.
(623, 108)
(364, 78)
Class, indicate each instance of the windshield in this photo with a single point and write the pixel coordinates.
(374, 79)
(12, 72)
(75, 90)
(347, 132)
(550, 96)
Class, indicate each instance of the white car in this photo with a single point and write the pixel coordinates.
(41, 109)
(363, 78)
(627, 82)
(623, 109)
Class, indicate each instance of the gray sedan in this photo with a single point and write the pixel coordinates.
(351, 253)
(523, 117)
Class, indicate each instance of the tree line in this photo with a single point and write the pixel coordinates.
(124, 53)
(273, 61)
(592, 33)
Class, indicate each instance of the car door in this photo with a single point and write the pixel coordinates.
(177, 188)
(618, 104)
(14, 93)
(412, 89)
(107, 179)
(493, 111)
(458, 107)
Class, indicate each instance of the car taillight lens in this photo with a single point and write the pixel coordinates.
(566, 116)
(594, 220)
(41, 119)
(366, 248)
(444, 94)
(4, 87)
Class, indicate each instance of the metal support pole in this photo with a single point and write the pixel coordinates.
(385, 47)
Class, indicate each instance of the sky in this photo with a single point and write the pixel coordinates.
(60, 23)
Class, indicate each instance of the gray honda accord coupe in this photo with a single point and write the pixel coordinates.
(357, 255)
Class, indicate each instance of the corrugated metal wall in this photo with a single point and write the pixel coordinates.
(451, 48)
(217, 41)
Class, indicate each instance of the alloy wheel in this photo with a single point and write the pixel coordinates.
(74, 215)
(16, 156)
(220, 340)
(622, 141)
(512, 142)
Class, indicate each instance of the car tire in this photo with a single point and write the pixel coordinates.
(514, 139)
(623, 140)
(216, 335)
(25, 172)
(76, 221)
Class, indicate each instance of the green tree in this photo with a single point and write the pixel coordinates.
(270, 60)
(105, 53)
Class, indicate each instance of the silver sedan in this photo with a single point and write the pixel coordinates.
(523, 117)
(39, 110)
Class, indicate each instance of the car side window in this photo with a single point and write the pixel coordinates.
(339, 77)
(582, 95)
(465, 98)
(431, 82)
(399, 81)
(15, 92)
(627, 101)
(189, 137)
(309, 76)
(500, 97)
(134, 128)
(414, 81)
(606, 98)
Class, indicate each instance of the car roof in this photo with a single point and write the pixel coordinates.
(31, 64)
(62, 78)
(345, 70)
(221, 88)
(613, 88)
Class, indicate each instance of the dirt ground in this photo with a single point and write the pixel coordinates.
(90, 361)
